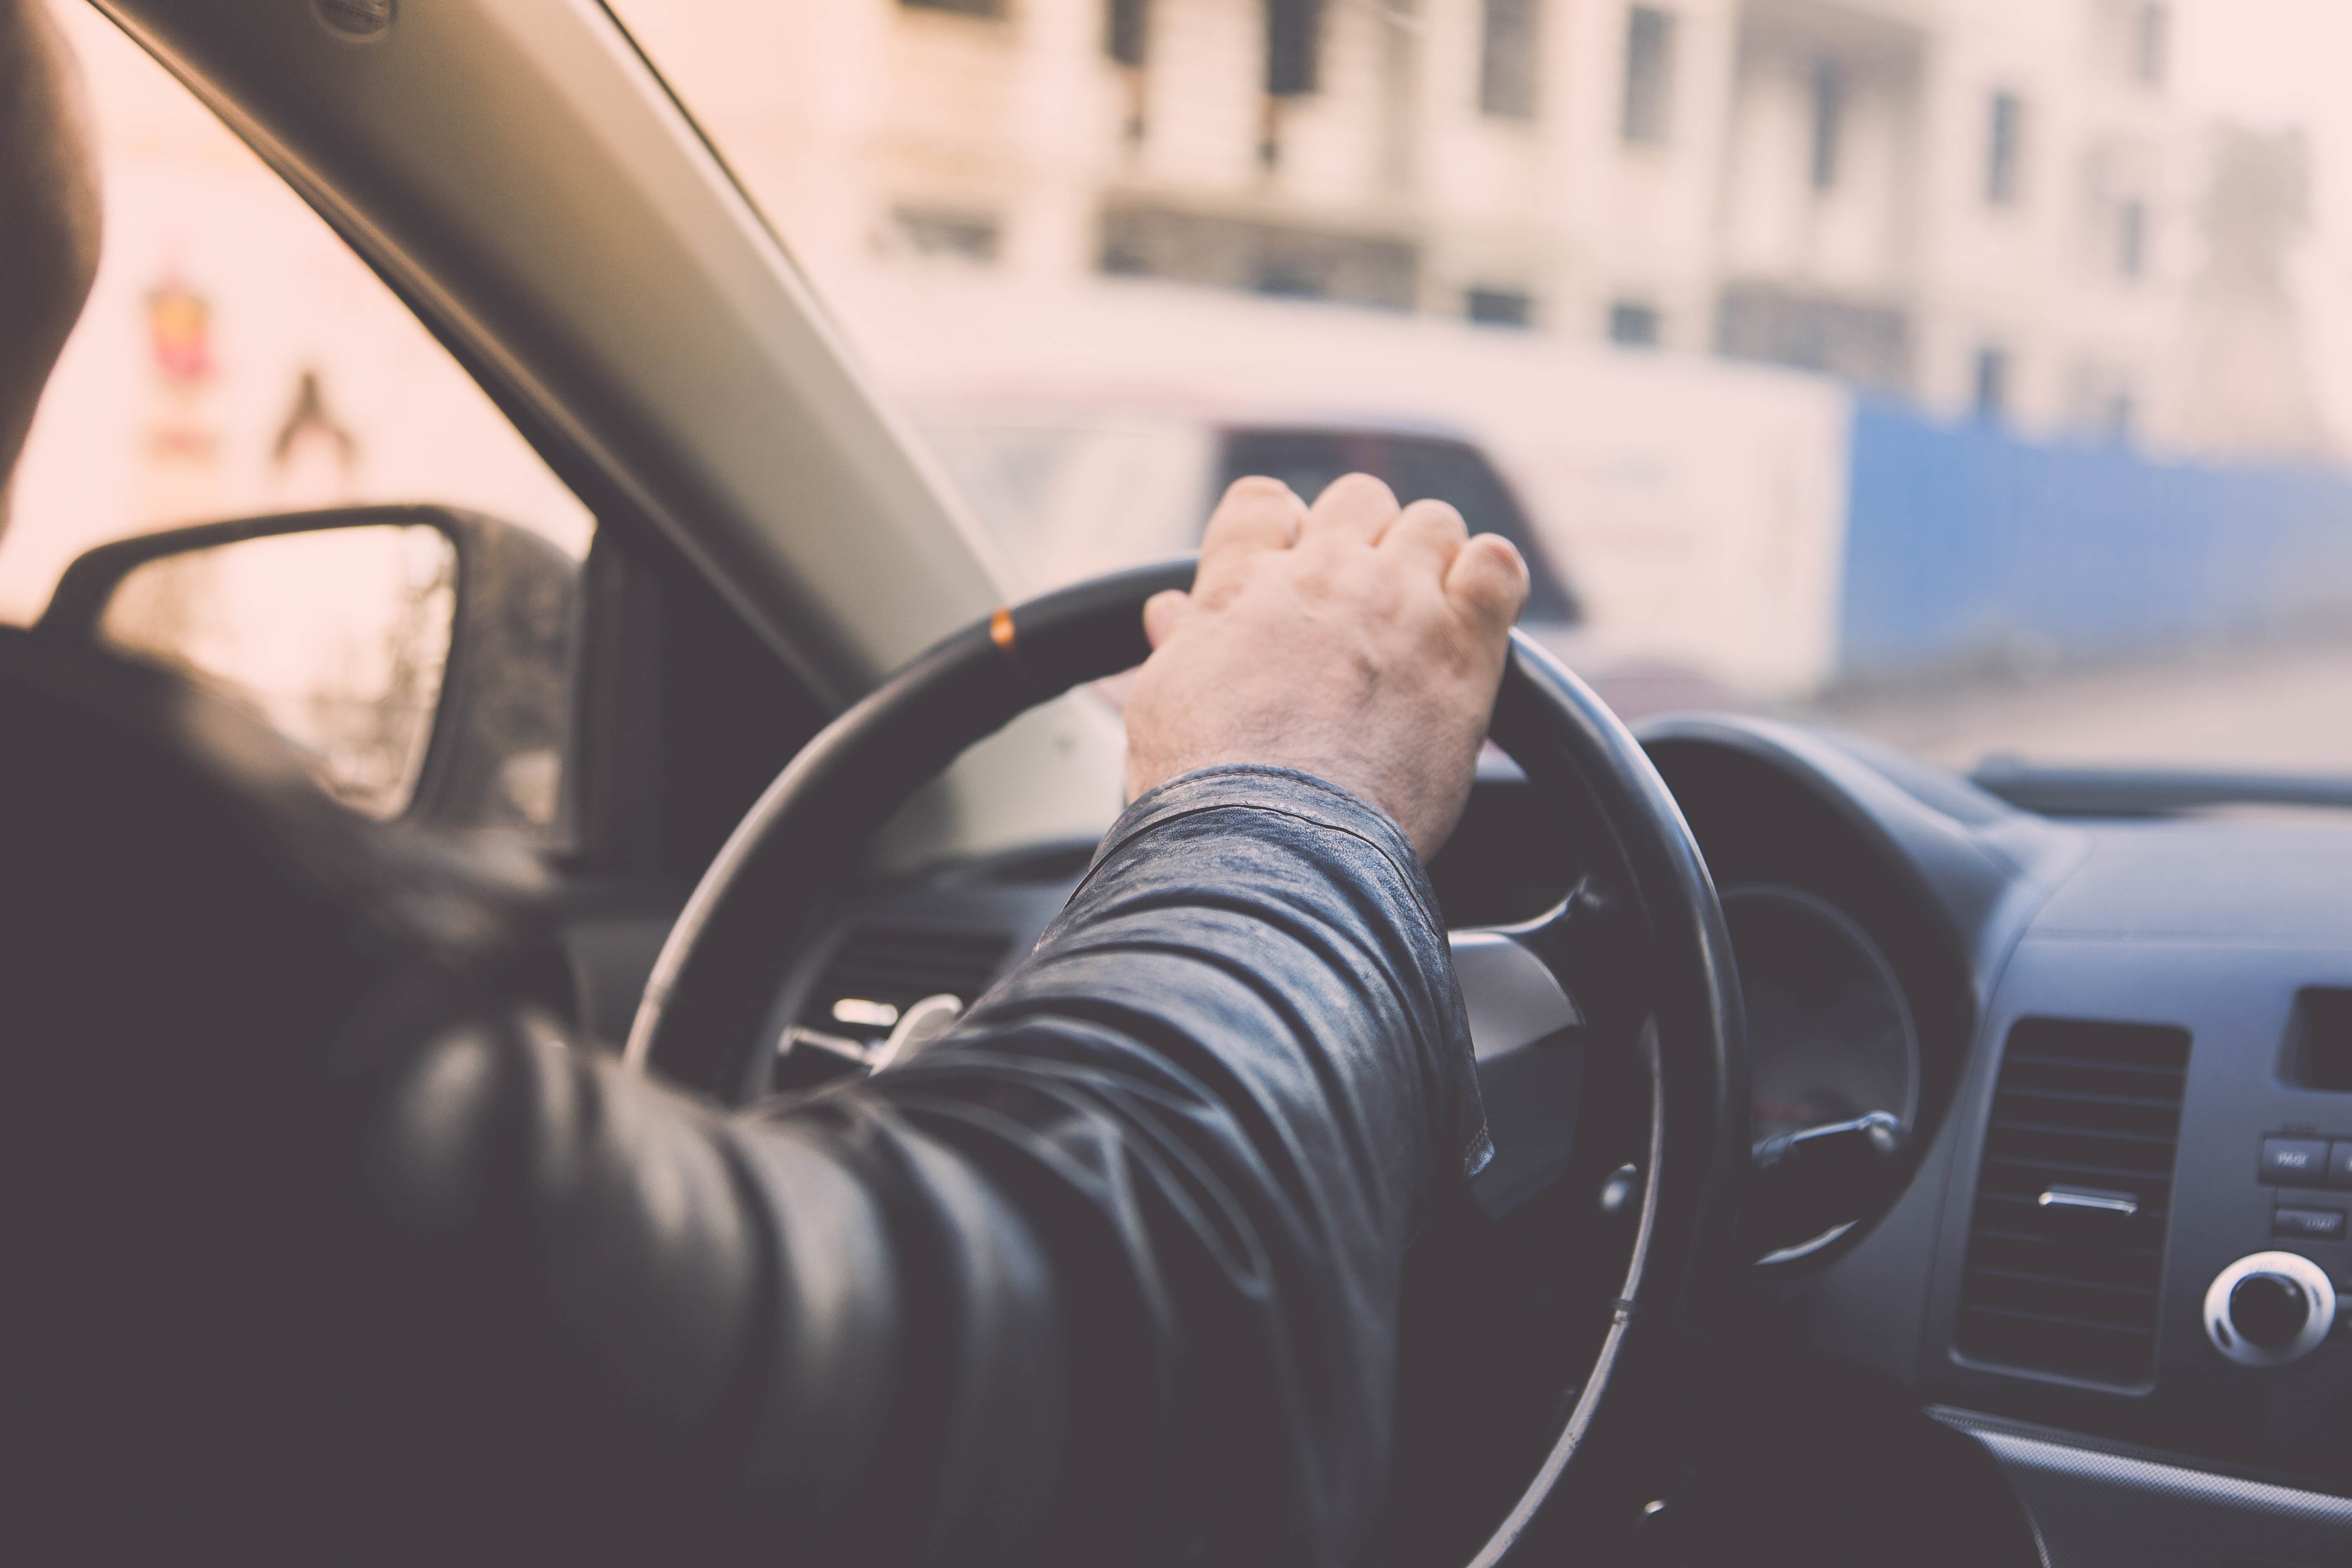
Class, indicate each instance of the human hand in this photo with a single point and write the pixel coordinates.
(1357, 641)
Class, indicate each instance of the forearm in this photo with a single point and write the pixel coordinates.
(1136, 1225)
(1222, 1084)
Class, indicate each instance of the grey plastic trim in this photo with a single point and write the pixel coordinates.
(1512, 996)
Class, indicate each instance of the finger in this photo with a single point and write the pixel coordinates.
(1488, 580)
(1163, 613)
(1257, 514)
(1429, 533)
(1352, 507)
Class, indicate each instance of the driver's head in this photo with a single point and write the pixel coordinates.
(48, 213)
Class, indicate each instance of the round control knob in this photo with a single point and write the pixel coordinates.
(2269, 1309)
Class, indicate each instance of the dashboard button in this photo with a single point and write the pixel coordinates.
(2295, 1162)
(2339, 1162)
(2308, 1224)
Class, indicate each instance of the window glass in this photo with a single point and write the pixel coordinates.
(1636, 326)
(1292, 36)
(1992, 383)
(235, 360)
(1829, 111)
(2149, 27)
(1649, 74)
(2131, 238)
(2000, 155)
(1126, 35)
(1500, 307)
(1042, 480)
(1506, 60)
(340, 638)
(1975, 336)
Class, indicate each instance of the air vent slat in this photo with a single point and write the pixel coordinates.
(2090, 1096)
(2019, 1215)
(2072, 1167)
(2057, 1130)
(2010, 1251)
(2028, 1277)
(2045, 1072)
(2053, 1288)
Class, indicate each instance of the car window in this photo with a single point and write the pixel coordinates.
(236, 358)
(1975, 378)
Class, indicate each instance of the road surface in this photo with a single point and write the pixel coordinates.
(2278, 708)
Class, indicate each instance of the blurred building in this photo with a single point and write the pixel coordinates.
(1979, 204)
(2249, 388)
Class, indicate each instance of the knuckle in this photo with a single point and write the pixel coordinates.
(1499, 560)
(1360, 488)
(1439, 515)
(1255, 485)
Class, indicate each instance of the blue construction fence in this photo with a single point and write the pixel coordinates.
(1964, 543)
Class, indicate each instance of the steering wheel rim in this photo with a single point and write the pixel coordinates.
(766, 892)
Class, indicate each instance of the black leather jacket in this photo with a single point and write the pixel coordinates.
(331, 1250)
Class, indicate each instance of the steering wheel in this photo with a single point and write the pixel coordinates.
(1636, 959)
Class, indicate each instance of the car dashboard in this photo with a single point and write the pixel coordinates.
(2120, 1052)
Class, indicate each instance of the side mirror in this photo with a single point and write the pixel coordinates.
(419, 657)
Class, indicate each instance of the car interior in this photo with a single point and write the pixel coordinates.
(1882, 1149)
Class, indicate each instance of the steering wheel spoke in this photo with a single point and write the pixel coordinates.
(1540, 995)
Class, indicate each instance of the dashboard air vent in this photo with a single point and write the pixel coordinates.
(2066, 1251)
(879, 971)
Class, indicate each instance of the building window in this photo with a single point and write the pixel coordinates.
(1870, 344)
(2001, 150)
(1283, 277)
(932, 231)
(1500, 307)
(1636, 326)
(1293, 29)
(2151, 24)
(1829, 110)
(2117, 417)
(1127, 32)
(2131, 238)
(1649, 75)
(1151, 241)
(1506, 60)
(989, 8)
(1992, 383)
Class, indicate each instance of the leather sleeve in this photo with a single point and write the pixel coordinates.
(1108, 1274)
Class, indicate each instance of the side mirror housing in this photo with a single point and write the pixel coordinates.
(419, 657)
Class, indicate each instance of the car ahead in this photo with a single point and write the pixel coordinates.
(2049, 1134)
(1060, 487)
(1071, 486)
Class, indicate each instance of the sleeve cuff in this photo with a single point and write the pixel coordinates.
(1262, 787)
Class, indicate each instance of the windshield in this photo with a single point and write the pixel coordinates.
(1976, 377)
